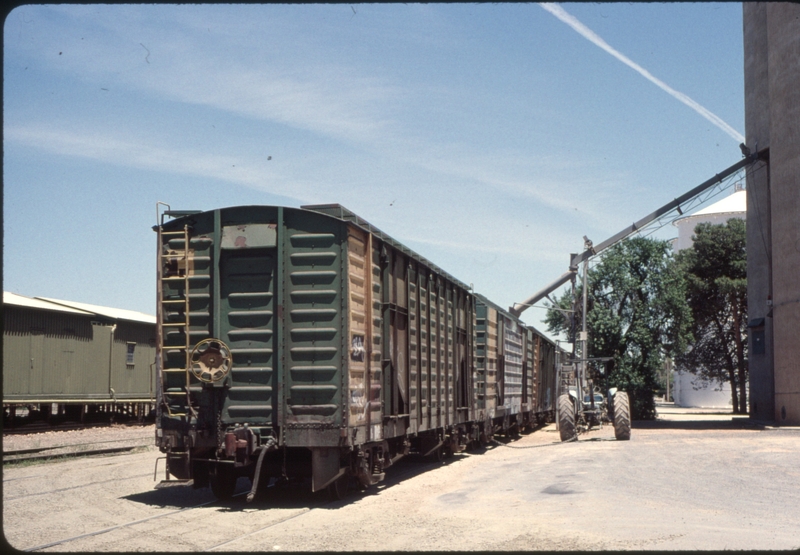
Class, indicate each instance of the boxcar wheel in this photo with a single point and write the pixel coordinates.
(223, 482)
(622, 416)
(437, 455)
(338, 488)
(566, 418)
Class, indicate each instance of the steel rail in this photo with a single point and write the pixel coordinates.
(399, 475)
(23, 478)
(5, 499)
(281, 521)
(67, 445)
(124, 525)
(71, 454)
(40, 427)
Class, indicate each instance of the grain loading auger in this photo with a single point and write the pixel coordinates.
(582, 405)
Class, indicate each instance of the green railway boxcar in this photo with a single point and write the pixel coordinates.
(305, 342)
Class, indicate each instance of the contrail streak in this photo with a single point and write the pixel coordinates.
(590, 35)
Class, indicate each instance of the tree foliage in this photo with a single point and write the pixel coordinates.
(637, 314)
(715, 269)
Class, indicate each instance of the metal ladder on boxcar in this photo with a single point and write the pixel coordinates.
(175, 381)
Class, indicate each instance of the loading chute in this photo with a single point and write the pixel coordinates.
(592, 250)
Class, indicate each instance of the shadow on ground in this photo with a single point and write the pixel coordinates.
(292, 495)
(177, 496)
(698, 424)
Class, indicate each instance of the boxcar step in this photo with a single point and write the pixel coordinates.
(170, 483)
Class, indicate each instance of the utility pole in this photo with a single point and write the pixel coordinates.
(587, 245)
(669, 375)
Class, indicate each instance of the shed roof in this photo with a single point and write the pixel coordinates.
(20, 300)
(116, 313)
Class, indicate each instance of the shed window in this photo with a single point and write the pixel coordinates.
(129, 355)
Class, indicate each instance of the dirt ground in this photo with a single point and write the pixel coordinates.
(686, 481)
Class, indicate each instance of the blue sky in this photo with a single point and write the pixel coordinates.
(488, 138)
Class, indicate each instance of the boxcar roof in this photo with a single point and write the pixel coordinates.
(341, 213)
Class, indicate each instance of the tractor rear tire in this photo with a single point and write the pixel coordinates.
(566, 418)
(622, 416)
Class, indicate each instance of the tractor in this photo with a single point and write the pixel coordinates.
(582, 406)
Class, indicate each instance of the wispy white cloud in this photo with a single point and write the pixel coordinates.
(330, 99)
(591, 36)
(226, 70)
(326, 97)
(330, 102)
(540, 254)
(538, 180)
(144, 154)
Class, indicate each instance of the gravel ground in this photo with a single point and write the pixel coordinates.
(680, 483)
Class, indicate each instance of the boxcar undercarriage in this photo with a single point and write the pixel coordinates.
(219, 460)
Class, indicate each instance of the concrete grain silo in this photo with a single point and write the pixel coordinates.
(688, 389)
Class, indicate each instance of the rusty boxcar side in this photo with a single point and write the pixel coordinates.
(515, 371)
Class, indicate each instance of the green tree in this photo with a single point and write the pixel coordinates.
(715, 270)
(637, 314)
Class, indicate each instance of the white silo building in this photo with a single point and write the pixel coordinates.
(688, 389)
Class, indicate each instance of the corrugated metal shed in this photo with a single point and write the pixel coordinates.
(64, 352)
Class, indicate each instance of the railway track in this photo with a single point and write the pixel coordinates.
(71, 450)
(59, 490)
(271, 525)
(124, 525)
(164, 515)
(399, 475)
(42, 427)
(415, 465)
